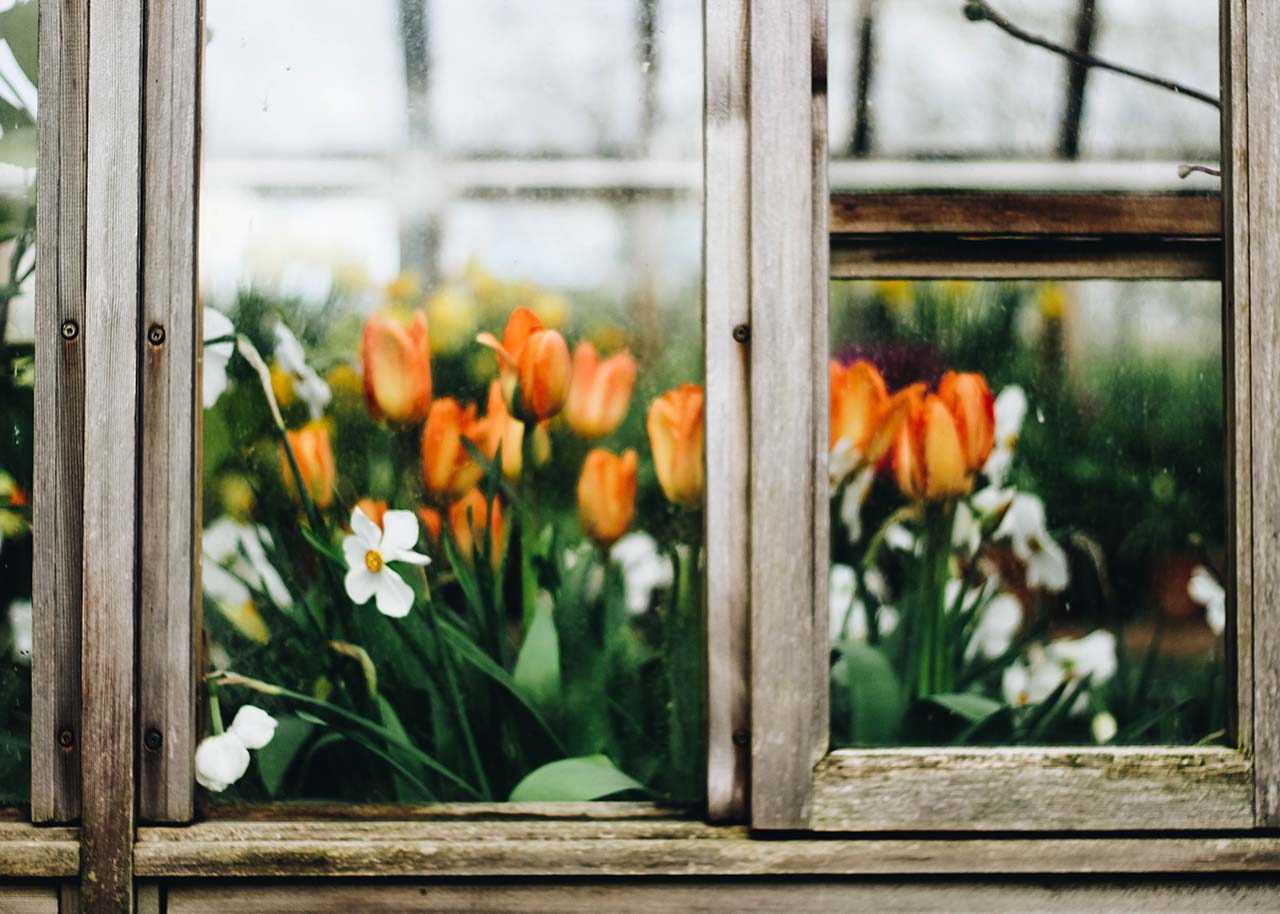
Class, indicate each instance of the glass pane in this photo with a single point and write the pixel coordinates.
(1028, 534)
(464, 241)
(17, 339)
(924, 95)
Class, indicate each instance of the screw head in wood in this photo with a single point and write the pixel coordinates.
(741, 737)
(66, 739)
(742, 333)
(70, 330)
(155, 335)
(153, 739)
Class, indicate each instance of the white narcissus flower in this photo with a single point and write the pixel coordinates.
(1094, 655)
(855, 493)
(253, 726)
(221, 760)
(846, 614)
(293, 359)
(1103, 727)
(644, 569)
(20, 630)
(1011, 412)
(241, 549)
(216, 355)
(370, 550)
(1033, 679)
(1205, 590)
(1024, 525)
(897, 536)
(998, 623)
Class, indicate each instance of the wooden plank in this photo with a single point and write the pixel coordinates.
(68, 897)
(59, 411)
(251, 850)
(726, 507)
(30, 852)
(169, 523)
(1260, 32)
(150, 898)
(972, 257)
(1072, 790)
(1028, 213)
(111, 342)
(1236, 378)
(782, 413)
(28, 899)
(600, 810)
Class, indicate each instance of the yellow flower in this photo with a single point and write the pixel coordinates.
(451, 314)
(405, 289)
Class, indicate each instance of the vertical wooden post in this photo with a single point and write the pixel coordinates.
(783, 390)
(169, 508)
(59, 411)
(726, 290)
(111, 346)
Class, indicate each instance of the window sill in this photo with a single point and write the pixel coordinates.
(34, 852)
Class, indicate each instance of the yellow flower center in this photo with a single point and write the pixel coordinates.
(373, 560)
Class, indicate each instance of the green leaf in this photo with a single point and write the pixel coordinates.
(587, 777)
(406, 790)
(18, 29)
(360, 656)
(274, 759)
(18, 147)
(876, 702)
(325, 549)
(537, 672)
(971, 707)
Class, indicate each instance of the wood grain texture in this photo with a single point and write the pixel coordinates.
(30, 852)
(168, 525)
(782, 413)
(513, 850)
(600, 810)
(1162, 789)
(68, 897)
(150, 898)
(59, 410)
(726, 509)
(987, 213)
(111, 342)
(28, 899)
(1260, 30)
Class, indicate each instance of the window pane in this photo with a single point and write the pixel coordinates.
(1045, 568)
(378, 191)
(17, 244)
(925, 97)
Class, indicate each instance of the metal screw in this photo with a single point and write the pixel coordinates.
(70, 330)
(66, 739)
(741, 737)
(155, 335)
(741, 333)
(153, 739)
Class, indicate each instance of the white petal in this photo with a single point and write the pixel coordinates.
(1093, 655)
(362, 526)
(20, 629)
(897, 536)
(1013, 684)
(314, 392)
(855, 493)
(361, 583)
(220, 761)
(1204, 587)
(992, 499)
(395, 597)
(289, 352)
(217, 324)
(223, 586)
(221, 539)
(1104, 727)
(1011, 411)
(1047, 566)
(354, 549)
(400, 533)
(253, 726)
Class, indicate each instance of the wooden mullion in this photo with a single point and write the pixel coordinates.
(111, 344)
(59, 411)
(169, 508)
(726, 290)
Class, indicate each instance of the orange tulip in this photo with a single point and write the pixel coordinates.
(675, 436)
(858, 397)
(502, 429)
(600, 392)
(607, 495)
(447, 468)
(431, 519)
(373, 509)
(929, 460)
(469, 518)
(313, 450)
(534, 366)
(970, 401)
(397, 367)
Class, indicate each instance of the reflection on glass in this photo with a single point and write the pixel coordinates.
(17, 244)
(452, 468)
(1027, 513)
(932, 85)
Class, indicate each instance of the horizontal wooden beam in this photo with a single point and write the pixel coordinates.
(994, 213)
(28, 852)
(655, 849)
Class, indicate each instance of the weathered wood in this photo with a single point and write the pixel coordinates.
(28, 899)
(168, 522)
(782, 413)
(1259, 30)
(1161, 789)
(150, 898)
(561, 812)
(726, 508)
(68, 897)
(59, 411)
(974, 257)
(1196, 214)
(111, 342)
(28, 852)
(690, 850)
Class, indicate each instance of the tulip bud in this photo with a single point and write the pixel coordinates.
(503, 430)
(534, 366)
(220, 761)
(607, 495)
(600, 392)
(970, 401)
(397, 367)
(676, 439)
(928, 457)
(313, 450)
(858, 395)
(447, 468)
(253, 726)
(469, 518)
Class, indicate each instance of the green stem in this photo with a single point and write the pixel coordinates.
(934, 673)
(459, 709)
(528, 580)
(215, 710)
